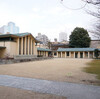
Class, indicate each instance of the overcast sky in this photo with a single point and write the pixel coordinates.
(48, 17)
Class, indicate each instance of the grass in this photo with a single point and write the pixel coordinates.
(94, 68)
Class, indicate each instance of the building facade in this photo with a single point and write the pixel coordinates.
(15, 45)
(75, 53)
(43, 38)
(10, 28)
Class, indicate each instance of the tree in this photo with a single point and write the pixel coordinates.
(96, 53)
(96, 28)
(79, 38)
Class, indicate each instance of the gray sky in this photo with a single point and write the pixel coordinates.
(48, 17)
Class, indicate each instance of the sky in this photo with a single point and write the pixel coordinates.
(47, 17)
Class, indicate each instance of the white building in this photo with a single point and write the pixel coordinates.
(62, 36)
(10, 28)
(43, 38)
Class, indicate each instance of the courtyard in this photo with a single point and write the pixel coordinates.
(63, 70)
(47, 79)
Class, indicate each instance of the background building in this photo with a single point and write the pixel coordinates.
(62, 36)
(43, 38)
(10, 28)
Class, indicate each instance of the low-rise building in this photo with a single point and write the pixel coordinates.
(75, 53)
(18, 45)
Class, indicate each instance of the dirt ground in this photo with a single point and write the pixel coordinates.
(68, 70)
(13, 93)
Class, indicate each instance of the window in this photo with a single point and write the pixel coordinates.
(55, 53)
(19, 46)
(23, 45)
(67, 53)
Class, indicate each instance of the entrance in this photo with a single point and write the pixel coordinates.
(76, 55)
(81, 55)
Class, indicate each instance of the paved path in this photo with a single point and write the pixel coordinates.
(69, 90)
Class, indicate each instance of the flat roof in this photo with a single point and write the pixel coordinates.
(18, 35)
(76, 49)
(2, 47)
(43, 49)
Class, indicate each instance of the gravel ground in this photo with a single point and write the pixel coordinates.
(68, 70)
(14, 93)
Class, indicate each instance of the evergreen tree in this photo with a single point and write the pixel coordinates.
(79, 38)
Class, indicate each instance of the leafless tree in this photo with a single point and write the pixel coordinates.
(96, 29)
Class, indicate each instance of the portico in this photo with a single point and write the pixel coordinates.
(75, 53)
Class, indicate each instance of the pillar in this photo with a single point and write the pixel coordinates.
(25, 46)
(74, 54)
(65, 54)
(28, 44)
(18, 46)
(83, 54)
(31, 46)
(61, 54)
(57, 54)
(88, 54)
(69, 54)
(78, 54)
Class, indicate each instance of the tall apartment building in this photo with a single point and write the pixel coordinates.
(10, 28)
(62, 36)
(43, 38)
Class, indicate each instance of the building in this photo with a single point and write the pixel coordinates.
(21, 45)
(43, 52)
(10, 28)
(62, 37)
(43, 38)
(95, 44)
(75, 53)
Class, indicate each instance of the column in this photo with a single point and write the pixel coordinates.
(65, 54)
(74, 54)
(88, 54)
(83, 54)
(31, 46)
(18, 46)
(25, 46)
(28, 44)
(69, 54)
(57, 54)
(78, 54)
(22, 46)
(61, 54)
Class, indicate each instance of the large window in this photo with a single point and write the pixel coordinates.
(23, 45)
(19, 46)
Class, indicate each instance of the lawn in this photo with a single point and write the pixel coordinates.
(94, 68)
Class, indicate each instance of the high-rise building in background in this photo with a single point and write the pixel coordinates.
(62, 36)
(43, 38)
(10, 28)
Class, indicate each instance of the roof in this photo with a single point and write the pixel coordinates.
(43, 49)
(18, 35)
(75, 49)
(2, 47)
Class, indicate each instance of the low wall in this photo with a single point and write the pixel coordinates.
(11, 61)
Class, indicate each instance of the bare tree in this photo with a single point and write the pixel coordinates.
(96, 29)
